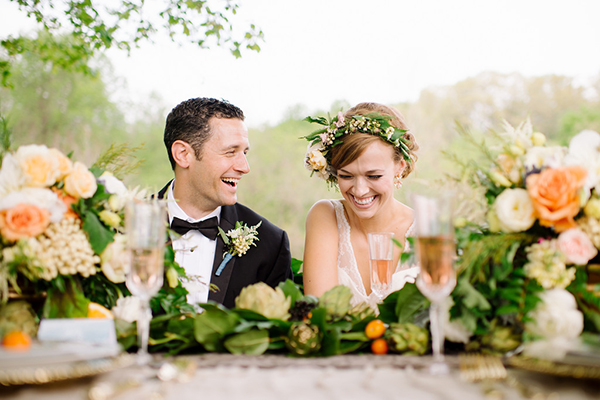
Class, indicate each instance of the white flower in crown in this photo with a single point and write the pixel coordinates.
(239, 239)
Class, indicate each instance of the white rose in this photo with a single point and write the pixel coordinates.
(12, 177)
(454, 330)
(556, 316)
(114, 260)
(514, 210)
(39, 165)
(129, 309)
(40, 197)
(538, 157)
(112, 184)
(584, 150)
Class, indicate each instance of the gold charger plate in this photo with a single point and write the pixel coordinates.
(62, 371)
(558, 368)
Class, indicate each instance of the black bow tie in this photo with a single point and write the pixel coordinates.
(208, 227)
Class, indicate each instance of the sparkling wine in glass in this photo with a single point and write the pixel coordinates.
(381, 258)
(436, 252)
(145, 223)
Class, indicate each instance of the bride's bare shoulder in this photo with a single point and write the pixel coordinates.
(322, 211)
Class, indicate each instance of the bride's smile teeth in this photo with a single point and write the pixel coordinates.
(231, 181)
(365, 201)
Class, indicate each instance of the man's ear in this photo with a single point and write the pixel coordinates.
(182, 153)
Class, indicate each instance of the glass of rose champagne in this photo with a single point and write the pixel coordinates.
(436, 252)
(145, 223)
(381, 258)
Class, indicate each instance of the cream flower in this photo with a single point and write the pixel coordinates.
(514, 210)
(12, 177)
(576, 246)
(538, 157)
(547, 265)
(38, 164)
(454, 330)
(584, 150)
(80, 183)
(114, 259)
(112, 184)
(129, 309)
(64, 163)
(556, 316)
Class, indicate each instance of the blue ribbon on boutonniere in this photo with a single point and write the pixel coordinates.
(226, 258)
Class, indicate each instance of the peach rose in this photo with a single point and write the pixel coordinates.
(80, 183)
(554, 193)
(68, 201)
(23, 221)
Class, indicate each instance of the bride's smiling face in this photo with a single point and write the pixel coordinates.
(367, 183)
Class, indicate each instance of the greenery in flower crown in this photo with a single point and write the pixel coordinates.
(318, 155)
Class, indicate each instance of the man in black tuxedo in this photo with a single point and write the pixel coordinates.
(207, 142)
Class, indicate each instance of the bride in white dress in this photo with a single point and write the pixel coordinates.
(367, 158)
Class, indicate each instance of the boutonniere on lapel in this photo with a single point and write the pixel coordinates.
(237, 242)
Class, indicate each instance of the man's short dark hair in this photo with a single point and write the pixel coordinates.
(188, 122)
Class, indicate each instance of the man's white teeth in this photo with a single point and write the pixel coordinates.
(231, 181)
(364, 202)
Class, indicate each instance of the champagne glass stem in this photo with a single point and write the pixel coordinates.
(437, 342)
(143, 331)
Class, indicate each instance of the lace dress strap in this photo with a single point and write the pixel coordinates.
(348, 274)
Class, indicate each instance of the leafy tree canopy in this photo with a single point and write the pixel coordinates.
(95, 26)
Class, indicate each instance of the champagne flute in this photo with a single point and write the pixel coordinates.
(436, 252)
(381, 258)
(145, 222)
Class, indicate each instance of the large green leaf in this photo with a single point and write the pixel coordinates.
(98, 234)
(67, 303)
(290, 289)
(253, 342)
(213, 325)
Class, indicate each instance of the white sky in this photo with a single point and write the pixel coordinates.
(319, 51)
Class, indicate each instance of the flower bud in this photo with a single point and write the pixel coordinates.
(538, 139)
(109, 218)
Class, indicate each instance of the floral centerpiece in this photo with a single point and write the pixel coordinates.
(61, 226)
(529, 224)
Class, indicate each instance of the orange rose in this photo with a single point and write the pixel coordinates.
(554, 193)
(23, 221)
(67, 200)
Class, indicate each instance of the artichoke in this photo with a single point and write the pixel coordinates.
(361, 311)
(18, 316)
(499, 339)
(407, 338)
(336, 301)
(263, 299)
(303, 339)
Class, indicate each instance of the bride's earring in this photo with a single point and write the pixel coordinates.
(397, 182)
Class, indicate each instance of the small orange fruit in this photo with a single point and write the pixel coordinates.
(95, 310)
(16, 341)
(379, 346)
(375, 329)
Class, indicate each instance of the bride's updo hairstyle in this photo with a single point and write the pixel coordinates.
(354, 145)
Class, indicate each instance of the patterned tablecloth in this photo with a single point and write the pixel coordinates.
(223, 376)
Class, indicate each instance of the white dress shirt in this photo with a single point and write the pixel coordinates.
(194, 252)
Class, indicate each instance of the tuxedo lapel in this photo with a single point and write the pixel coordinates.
(228, 218)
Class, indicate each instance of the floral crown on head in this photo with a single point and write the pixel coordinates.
(318, 156)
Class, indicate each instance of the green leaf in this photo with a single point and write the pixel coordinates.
(253, 342)
(290, 289)
(213, 325)
(68, 303)
(470, 296)
(98, 234)
(296, 265)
